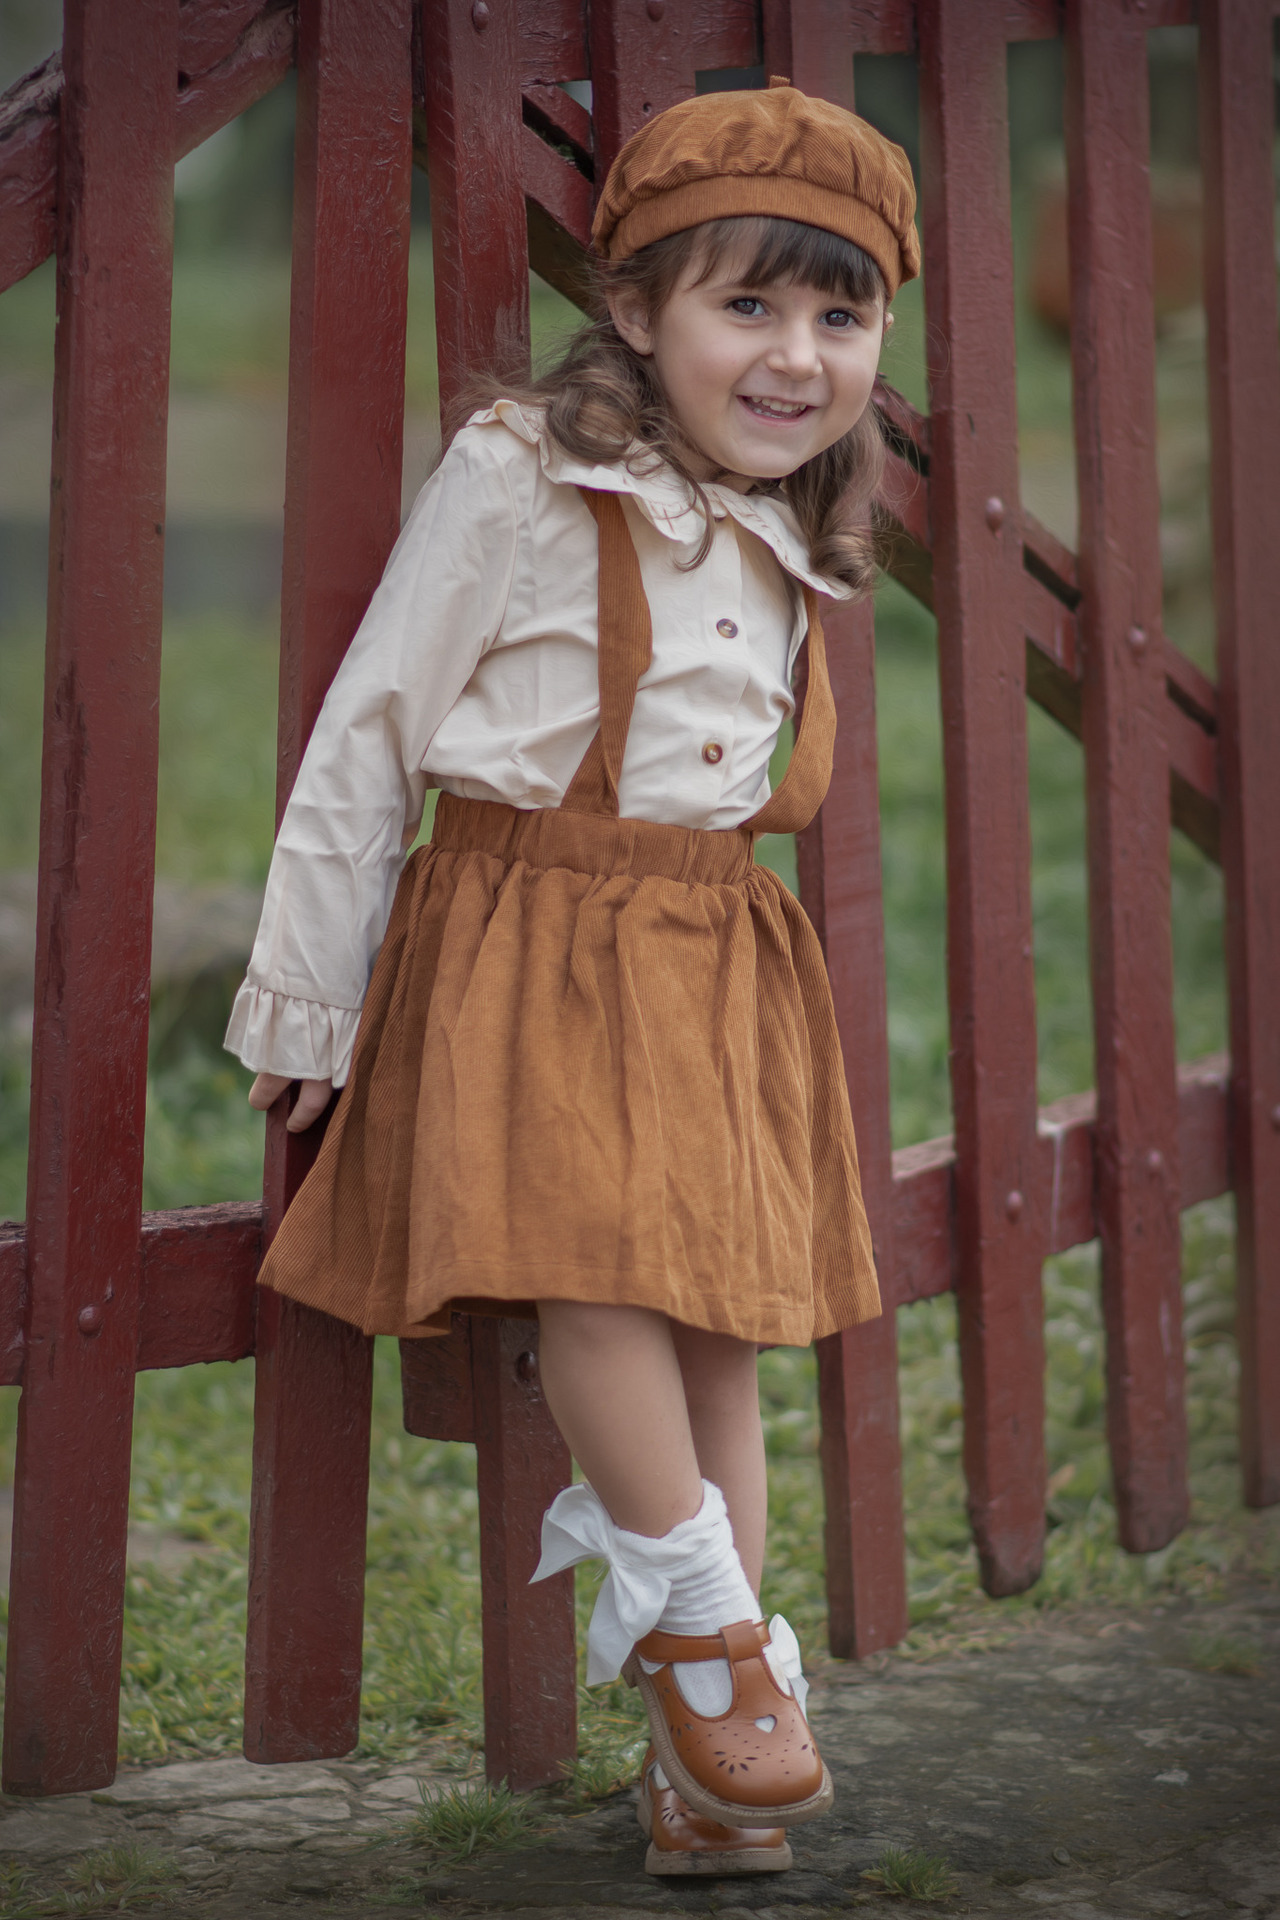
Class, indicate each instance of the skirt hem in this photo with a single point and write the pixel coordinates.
(516, 1294)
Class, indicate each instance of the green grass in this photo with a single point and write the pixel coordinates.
(125, 1878)
(912, 1875)
(1225, 1653)
(458, 1822)
(611, 1759)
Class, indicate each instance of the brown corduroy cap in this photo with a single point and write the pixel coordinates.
(775, 151)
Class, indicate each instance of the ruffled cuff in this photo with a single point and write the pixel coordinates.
(278, 1033)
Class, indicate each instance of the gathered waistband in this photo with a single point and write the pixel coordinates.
(593, 843)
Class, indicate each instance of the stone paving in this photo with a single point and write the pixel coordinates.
(1086, 1768)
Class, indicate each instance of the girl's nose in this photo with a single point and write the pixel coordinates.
(795, 353)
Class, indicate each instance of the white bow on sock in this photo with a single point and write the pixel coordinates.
(687, 1581)
(637, 1590)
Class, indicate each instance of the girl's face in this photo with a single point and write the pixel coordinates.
(759, 378)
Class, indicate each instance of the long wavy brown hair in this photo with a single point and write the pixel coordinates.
(601, 399)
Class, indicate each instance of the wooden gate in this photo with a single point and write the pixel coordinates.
(91, 1290)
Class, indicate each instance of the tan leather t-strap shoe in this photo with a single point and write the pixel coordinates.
(682, 1841)
(759, 1758)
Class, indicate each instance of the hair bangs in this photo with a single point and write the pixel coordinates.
(776, 252)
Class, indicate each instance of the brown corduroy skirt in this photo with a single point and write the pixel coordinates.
(598, 1061)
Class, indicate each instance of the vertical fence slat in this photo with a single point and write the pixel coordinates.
(977, 578)
(1126, 762)
(471, 74)
(472, 92)
(342, 512)
(813, 45)
(839, 860)
(530, 1650)
(97, 849)
(641, 63)
(1237, 127)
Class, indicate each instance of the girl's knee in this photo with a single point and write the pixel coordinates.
(718, 1370)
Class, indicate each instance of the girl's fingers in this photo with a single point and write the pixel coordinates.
(312, 1100)
(266, 1090)
(311, 1103)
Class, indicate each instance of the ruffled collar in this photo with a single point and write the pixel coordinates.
(664, 498)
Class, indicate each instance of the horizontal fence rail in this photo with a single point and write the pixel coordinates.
(91, 1291)
(198, 1264)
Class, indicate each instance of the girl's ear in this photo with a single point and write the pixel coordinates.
(629, 312)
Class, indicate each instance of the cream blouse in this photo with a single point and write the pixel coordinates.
(474, 670)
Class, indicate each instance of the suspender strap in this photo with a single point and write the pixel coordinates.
(625, 648)
(804, 785)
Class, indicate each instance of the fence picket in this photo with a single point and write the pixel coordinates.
(1237, 127)
(1126, 763)
(530, 1639)
(97, 852)
(977, 584)
(480, 258)
(342, 513)
(839, 862)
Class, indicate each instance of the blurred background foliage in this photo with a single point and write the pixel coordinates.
(216, 807)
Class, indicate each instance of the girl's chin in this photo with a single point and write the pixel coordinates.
(769, 461)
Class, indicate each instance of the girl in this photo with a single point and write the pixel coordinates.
(596, 1070)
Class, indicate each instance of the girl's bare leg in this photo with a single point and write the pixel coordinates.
(616, 1392)
(648, 1407)
(722, 1395)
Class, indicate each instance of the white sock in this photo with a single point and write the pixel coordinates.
(687, 1581)
(708, 1592)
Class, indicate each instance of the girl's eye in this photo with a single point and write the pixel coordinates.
(840, 319)
(747, 305)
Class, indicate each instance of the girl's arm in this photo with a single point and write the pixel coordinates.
(357, 801)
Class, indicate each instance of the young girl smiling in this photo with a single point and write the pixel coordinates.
(595, 1071)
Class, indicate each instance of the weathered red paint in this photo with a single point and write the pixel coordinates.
(1126, 763)
(481, 1384)
(471, 85)
(1237, 127)
(530, 1657)
(342, 513)
(97, 841)
(435, 1379)
(924, 1178)
(197, 1300)
(1050, 595)
(977, 580)
(839, 863)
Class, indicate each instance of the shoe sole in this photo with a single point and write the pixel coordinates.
(710, 1865)
(729, 1860)
(730, 1813)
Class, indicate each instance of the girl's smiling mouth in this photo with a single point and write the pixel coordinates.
(774, 409)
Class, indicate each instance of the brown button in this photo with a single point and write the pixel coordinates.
(728, 629)
(713, 753)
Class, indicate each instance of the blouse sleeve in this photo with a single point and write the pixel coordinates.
(358, 797)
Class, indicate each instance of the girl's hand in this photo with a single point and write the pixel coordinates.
(311, 1103)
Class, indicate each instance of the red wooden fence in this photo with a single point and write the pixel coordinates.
(91, 1290)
